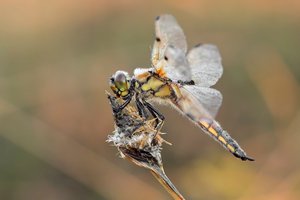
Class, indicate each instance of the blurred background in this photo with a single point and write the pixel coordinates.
(55, 61)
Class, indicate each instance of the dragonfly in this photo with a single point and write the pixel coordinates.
(179, 78)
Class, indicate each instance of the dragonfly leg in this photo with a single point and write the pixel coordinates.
(156, 114)
(141, 108)
(159, 118)
(121, 107)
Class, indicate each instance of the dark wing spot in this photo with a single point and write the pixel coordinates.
(192, 82)
(157, 18)
(157, 39)
(166, 58)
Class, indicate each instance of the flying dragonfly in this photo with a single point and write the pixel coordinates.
(179, 78)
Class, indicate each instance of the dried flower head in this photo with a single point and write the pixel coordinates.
(138, 141)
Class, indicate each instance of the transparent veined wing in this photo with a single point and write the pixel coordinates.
(176, 64)
(167, 32)
(210, 99)
(190, 106)
(205, 64)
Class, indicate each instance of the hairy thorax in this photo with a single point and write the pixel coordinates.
(149, 84)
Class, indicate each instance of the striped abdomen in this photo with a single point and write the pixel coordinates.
(195, 111)
(214, 129)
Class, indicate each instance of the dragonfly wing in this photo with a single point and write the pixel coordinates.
(205, 64)
(200, 105)
(190, 107)
(176, 64)
(210, 99)
(167, 32)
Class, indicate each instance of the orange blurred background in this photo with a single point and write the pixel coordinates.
(55, 61)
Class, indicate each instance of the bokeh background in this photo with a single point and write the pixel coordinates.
(55, 61)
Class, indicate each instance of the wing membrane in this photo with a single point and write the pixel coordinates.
(205, 64)
(210, 99)
(167, 32)
(177, 66)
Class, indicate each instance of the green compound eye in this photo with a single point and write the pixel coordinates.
(120, 83)
(122, 86)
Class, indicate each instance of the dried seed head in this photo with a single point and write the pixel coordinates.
(138, 142)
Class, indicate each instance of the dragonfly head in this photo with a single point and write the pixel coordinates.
(120, 83)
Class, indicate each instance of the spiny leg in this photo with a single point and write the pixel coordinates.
(141, 108)
(159, 118)
(121, 107)
(156, 114)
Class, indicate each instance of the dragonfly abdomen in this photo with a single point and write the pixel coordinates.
(214, 129)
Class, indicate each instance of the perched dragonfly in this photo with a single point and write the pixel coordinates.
(181, 79)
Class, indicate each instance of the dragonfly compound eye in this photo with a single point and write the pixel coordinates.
(120, 83)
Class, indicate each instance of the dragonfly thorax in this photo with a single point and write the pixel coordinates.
(149, 84)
